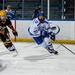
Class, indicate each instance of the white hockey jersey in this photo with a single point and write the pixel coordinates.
(36, 27)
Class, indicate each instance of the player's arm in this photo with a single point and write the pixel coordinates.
(51, 34)
(35, 25)
(12, 28)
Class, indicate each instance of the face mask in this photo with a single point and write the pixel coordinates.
(3, 18)
(41, 19)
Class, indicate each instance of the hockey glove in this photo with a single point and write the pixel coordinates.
(52, 36)
(44, 33)
(14, 32)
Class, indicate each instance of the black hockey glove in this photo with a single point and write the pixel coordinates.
(36, 10)
(52, 36)
(14, 32)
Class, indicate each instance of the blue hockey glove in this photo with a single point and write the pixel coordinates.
(52, 36)
(44, 33)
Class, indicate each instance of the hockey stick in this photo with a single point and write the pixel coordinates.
(58, 46)
(65, 47)
(61, 43)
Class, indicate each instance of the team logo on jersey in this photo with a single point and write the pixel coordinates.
(36, 21)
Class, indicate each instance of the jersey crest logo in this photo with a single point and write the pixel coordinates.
(36, 21)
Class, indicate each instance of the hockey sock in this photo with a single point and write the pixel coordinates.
(48, 43)
(9, 46)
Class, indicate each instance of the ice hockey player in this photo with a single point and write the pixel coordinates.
(5, 22)
(41, 32)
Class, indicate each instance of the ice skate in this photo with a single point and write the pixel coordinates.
(12, 48)
(13, 51)
(55, 52)
(52, 51)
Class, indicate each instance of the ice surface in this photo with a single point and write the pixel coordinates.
(35, 60)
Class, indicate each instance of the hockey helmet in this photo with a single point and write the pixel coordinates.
(2, 13)
(41, 16)
(41, 13)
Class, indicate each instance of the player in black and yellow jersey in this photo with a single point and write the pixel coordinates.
(5, 22)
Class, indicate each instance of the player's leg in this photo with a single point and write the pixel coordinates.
(50, 46)
(7, 43)
(40, 41)
(45, 42)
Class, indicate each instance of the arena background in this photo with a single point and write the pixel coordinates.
(58, 12)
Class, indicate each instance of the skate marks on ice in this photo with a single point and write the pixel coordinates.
(62, 54)
(45, 54)
(35, 58)
(2, 65)
(4, 53)
(29, 44)
(13, 54)
(34, 45)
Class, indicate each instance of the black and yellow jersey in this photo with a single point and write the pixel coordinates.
(6, 23)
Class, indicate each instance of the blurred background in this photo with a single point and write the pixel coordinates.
(53, 9)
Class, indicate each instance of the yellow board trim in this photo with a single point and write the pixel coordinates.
(31, 40)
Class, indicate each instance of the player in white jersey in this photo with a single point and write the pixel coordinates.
(41, 32)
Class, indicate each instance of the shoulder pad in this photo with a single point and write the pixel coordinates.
(36, 21)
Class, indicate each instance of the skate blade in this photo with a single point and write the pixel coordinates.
(56, 53)
(15, 55)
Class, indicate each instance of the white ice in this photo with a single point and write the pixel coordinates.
(35, 60)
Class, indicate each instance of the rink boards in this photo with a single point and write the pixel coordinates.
(66, 34)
